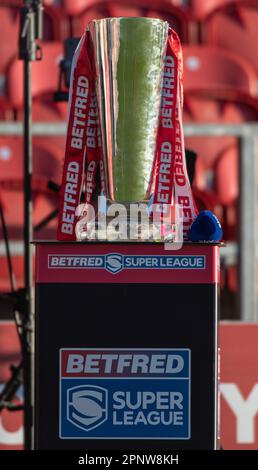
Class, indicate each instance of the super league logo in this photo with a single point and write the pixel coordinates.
(114, 263)
(87, 406)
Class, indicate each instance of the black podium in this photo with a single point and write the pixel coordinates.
(126, 346)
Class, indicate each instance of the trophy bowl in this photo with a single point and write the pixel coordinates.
(129, 56)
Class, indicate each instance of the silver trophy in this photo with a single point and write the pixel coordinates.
(129, 56)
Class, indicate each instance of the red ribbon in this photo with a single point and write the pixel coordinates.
(169, 180)
(170, 183)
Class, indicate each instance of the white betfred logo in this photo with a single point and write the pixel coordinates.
(108, 364)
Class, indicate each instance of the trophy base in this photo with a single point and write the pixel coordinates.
(125, 222)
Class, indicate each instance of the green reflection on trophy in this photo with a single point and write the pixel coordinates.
(129, 55)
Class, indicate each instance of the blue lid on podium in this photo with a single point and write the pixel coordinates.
(206, 227)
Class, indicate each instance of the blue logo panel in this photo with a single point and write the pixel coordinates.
(123, 406)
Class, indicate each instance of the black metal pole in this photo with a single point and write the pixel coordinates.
(28, 267)
(30, 30)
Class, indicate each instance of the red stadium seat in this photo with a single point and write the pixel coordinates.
(45, 110)
(55, 24)
(8, 37)
(206, 200)
(45, 76)
(211, 68)
(226, 176)
(96, 9)
(54, 28)
(9, 43)
(215, 98)
(234, 27)
(47, 165)
(48, 153)
(47, 161)
(226, 182)
(75, 7)
(200, 9)
(217, 165)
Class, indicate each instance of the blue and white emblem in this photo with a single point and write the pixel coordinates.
(87, 406)
(114, 263)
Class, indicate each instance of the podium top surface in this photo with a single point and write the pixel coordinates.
(116, 242)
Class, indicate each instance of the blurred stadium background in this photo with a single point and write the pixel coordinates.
(220, 40)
